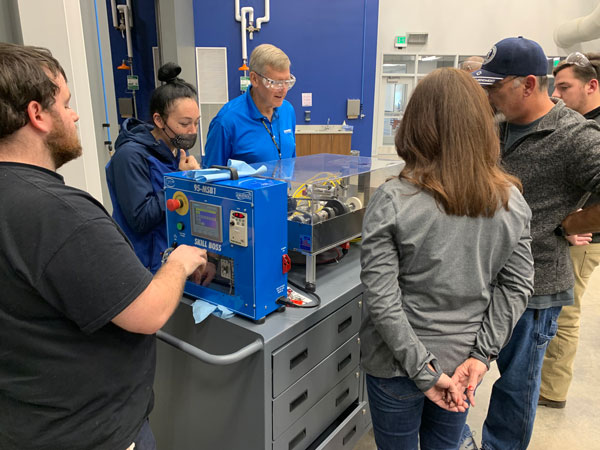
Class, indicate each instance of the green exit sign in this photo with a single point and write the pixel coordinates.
(400, 41)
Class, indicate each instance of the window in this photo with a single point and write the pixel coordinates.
(428, 63)
(396, 97)
(399, 75)
(399, 64)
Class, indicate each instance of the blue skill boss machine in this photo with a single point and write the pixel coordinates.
(242, 224)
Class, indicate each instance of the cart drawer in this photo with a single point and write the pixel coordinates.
(320, 416)
(296, 358)
(347, 435)
(306, 392)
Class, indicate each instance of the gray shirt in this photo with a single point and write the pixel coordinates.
(439, 287)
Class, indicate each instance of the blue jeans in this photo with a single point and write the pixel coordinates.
(511, 413)
(145, 439)
(402, 414)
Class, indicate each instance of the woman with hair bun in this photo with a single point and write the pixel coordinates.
(144, 152)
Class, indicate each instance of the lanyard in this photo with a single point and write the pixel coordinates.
(272, 137)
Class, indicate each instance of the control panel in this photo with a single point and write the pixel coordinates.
(238, 228)
(242, 224)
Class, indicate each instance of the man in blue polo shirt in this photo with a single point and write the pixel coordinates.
(260, 124)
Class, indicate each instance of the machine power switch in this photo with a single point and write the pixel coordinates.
(174, 204)
(287, 263)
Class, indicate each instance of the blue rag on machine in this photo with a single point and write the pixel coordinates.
(202, 309)
(209, 175)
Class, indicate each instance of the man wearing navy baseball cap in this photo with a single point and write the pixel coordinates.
(556, 154)
(512, 57)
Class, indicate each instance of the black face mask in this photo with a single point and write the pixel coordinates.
(184, 141)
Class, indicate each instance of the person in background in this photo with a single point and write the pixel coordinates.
(259, 125)
(78, 309)
(472, 63)
(446, 264)
(143, 154)
(555, 153)
(576, 83)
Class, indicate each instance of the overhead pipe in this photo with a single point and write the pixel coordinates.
(266, 17)
(250, 11)
(130, 7)
(250, 28)
(113, 10)
(238, 16)
(578, 30)
(124, 26)
(247, 26)
(124, 9)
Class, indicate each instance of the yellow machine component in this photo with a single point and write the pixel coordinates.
(185, 205)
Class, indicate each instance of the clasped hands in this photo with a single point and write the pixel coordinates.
(456, 393)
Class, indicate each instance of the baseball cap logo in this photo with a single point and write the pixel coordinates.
(490, 55)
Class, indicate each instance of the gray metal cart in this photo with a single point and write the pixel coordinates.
(291, 383)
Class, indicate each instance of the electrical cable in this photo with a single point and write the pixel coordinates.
(335, 259)
(102, 72)
(285, 301)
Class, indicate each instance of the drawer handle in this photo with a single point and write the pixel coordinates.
(345, 324)
(297, 439)
(343, 363)
(298, 358)
(298, 400)
(341, 398)
(349, 435)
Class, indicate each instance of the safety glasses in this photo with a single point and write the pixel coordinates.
(578, 59)
(278, 84)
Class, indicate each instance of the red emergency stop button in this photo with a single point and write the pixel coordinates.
(173, 204)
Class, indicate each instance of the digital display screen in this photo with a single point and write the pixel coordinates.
(206, 221)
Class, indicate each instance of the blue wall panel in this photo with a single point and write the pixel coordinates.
(324, 40)
(142, 40)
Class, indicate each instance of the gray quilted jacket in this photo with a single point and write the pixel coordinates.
(557, 163)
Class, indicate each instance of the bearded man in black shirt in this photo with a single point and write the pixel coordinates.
(78, 311)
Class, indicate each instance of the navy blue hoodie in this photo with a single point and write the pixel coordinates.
(135, 181)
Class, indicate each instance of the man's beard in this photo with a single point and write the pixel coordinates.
(63, 146)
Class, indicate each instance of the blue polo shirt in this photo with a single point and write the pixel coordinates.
(241, 131)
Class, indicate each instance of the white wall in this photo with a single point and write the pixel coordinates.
(58, 26)
(471, 27)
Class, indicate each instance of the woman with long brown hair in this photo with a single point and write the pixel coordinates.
(446, 264)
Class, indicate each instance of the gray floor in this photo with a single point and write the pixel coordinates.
(575, 426)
